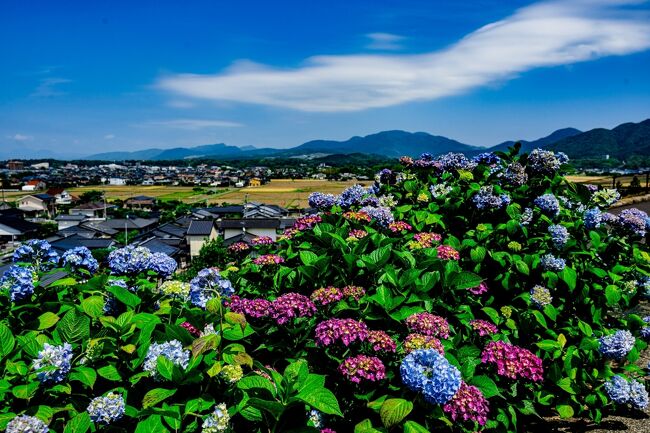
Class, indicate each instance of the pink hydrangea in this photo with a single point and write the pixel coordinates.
(288, 234)
(468, 404)
(344, 330)
(381, 341)
(191, 328)
(419, 341)
(428, 324)
(307, 222)
(480, 289)
(357, 216)
(399, 226)
(255, 308)
(290, 306)
(326, 295)
(483, 327)
(355, 292)
(513, 361)
(262, 240)
(238, 247)
(361, 368)
(357, 234)
(445, 252)
(268, 259)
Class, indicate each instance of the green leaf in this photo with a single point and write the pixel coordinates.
(151, 424)
(564, 410)
(486, 385)
(25, 392)
(569, 276)
(273, 407)
(365, 426)
(477, 254)
(93, 306)
(7, 341)
(165, 367)
(109, 372)
(85, 375)
(74, 326)
(78, 424)
(308, 258)
(321, 399)
(256, 382)
(522, 267)
(124, 296)
(413, 427)
(548, 345)
(47, 320)
(464, 280)
(565, 384)
(380, 256)
(394, 410)
(155, 396)
(613, 295)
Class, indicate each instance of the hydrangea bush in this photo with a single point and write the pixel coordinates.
(453, 294)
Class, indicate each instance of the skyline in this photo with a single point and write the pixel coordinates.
(125, 77)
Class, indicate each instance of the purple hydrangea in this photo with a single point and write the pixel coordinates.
(486, 199)
(455, 161)
(321, 200)
(634, 222)
(516, 175)
(617, 345)
(209, 284)
(130, 260)
(545, 162)
(38, 253)
(162, 264)
(468, 404)
(345, 330)
(428, 372)
(363, 368)
(79, 258)
(351, 196)
(18, 282)
(382, 215)
(291, 305)
(548, 204)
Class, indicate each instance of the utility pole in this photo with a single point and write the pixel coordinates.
(126, 231)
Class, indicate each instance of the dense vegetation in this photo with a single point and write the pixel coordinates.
(453, 295)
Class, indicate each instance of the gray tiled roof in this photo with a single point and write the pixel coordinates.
(200, 228)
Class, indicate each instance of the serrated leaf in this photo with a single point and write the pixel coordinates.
(78, 424)
(413, 427)
(74, 326)
(109, 372)
(321, 399)
(394, 410)
(155, 396)
(124, 296)
(7, 341)
(85, 375)
(464, 280)
(93, 306)
(47, 320)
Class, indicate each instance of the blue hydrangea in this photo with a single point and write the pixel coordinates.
(130, 260)
(18, 282)
(516, 175)
(645, 331)
(638, 395)
(559, 235)
(26, 424)
(209, 284)
(218, 421)
(540, 296)
(38, 253)
(385, 176)
(634, 222)
(172, 350)
(316, 418)
(488, 158)
(321, 200)
(106, 409)
(551, 263)
(352, 196)
(593, 217)
(382, 215)
(455, 161)
(548, 204)
(485, 199)
(546, 162)
(162, 264)
(53, 363)
(622, 391)
(526, 217)
(428, 372)
(617, 345)
(80, 258)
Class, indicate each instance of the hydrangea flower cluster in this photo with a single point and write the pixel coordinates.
(232, 373)
(429, 373)
(483, 327)
(486, 199)
(399, 226)
(53, 363)
(172, 350)
(424, 240)
(551, 263)
(262, 240)
(291, 305)
(26, 424)
(480, 289)
(617, 345)
(592, 218)
(513, 361)
(526, 217)
(175, 289)
(346, 331)
(162, 264)
(18, 282)
(353, 195)
(559, 235)
(79, 258)
(254, 308)
(454, 161)
(357, 216)
(106, 409)
(645, 331)
(321, 201)
(633, 222)
(445, 252)
(440, 190)
(356, 234)
(38, 253)
(363, 368)
(326, 295)
(268, 259)
(418, 341)
(468, 404)
(191, 329)
(129, 260)
(428, 324)
(209, 284)
(620, 391)
(382, 215)
(548, 204)
(515, 174)
(487, 158)
(354, 292)
(218, 421)
(238, 247)
(307, 222)
(381, 341)
(545, 161)
(540, 296)
(604, 198)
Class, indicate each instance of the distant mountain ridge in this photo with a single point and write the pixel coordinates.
(625, 140)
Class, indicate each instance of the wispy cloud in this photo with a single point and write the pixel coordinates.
(109, 136)
(544, 34)
(47, 87)
(20, 137)
(384, 41)
(193, 124)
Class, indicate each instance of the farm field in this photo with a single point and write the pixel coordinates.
(604, 180)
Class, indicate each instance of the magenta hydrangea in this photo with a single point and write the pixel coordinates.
(354, 292)
(381, 341)
(262, 240)
(346, 331)
(428, 324)
(290, 306)
(268, 259)
(479, 290)
(362, 368)
(468, 404)
(326, 295)
(418, 341)
(513, 361)
(445, 252)
(252, 308)
(483, 327)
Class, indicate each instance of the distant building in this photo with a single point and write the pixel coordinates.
(37, 204)
(198, 233)
(117, 181)
(34, 185)
(15, 165)
(41, 166)
(14, 228)
(92, 210)
(255, 182)
(64, 221)
(229, 228)
(142, 202)
(61, 196)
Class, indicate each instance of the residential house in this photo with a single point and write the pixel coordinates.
(198, 233)
(34, 185)
(64, 221)
(13, 228)
(15, 165)
(96, 210)
(229, 228)
(61, 196)
(218, 212)
(261, 210)
(141, 202)
(255, 182)
(36, 204)
(70, 242)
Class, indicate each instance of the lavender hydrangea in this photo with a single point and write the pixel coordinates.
(545, 162)
(79, 258)
(162, 264)
(593, 218)
(209, 284)
(638, 395)
(551, 263)
(516, 175)
(559, 235)
(106, 409)
(53, 363)
(617, 345)
(382, 215)
(18, 282)
(172, 350)
(455, 161)
(548, 204)
(350, 196)
(38, 253)
(488, 158)
(427, 372)
(130, 260)
(486, 199)
(26, 424)
(634, 222)
(322, 201)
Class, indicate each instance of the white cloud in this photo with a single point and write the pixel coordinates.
(193, 124)
(384, 41)
(47, 87)
(178, 103)
(20, 137)
(544, 34)
(109, 136)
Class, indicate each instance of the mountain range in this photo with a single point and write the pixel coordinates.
(623, 141)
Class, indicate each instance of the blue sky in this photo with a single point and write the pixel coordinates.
(85, 77)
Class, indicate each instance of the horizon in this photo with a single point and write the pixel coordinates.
(126, 77)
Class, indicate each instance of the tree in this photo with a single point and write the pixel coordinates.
(635, 186)
(92, 195)
(213, 253)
